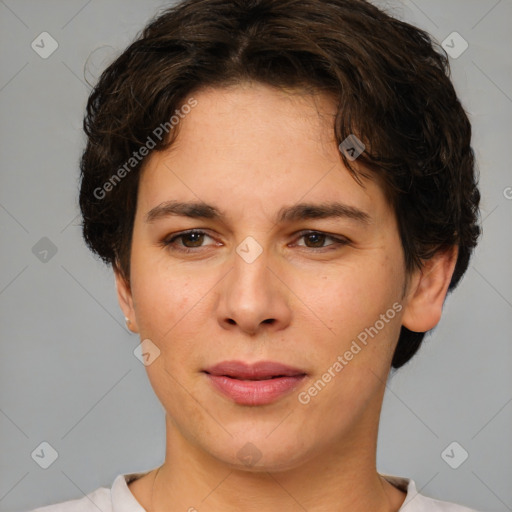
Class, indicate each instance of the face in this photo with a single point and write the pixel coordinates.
(263, 277)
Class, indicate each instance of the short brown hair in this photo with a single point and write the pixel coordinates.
(392, 86)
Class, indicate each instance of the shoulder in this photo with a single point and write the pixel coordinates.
(98, 499)
(416, 502)
(117, 499)
(425, 504)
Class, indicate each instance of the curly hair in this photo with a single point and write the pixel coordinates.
(390, 80)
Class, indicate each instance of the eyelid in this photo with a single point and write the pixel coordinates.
(173, 237)
(339, 240)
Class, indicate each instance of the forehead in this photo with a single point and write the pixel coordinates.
(257, 147)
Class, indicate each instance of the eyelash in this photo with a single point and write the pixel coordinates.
(169, 242)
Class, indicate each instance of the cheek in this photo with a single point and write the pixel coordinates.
(352, 296)
(166, 309)
(360, 304)
(173, 306)
(161, 298)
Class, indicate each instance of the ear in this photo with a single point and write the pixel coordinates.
(427, 291)
(124, 296)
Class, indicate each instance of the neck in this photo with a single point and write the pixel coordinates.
(338, 478)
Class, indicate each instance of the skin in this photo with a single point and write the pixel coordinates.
(250, 150)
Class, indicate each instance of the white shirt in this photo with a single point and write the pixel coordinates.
(120, 499)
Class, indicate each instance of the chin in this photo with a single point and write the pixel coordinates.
(263, 454)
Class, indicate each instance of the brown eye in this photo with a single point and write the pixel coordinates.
(187, 241)
(196, 239)
(316, 240)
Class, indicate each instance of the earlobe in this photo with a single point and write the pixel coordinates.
(429, 285)
(124, 297)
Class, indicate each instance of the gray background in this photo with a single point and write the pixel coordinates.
(68, 374)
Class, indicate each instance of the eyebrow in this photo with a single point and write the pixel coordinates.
(302, 211)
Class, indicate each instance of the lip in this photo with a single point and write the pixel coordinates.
(254, 384)
(255, 371)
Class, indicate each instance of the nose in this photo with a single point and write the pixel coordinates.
(253, 298)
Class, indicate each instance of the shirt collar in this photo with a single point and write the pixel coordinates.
(124, 501)
(122, 498)
(404, 484)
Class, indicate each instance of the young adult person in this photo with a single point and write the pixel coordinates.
(286, 192)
